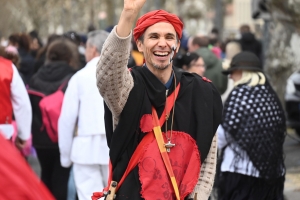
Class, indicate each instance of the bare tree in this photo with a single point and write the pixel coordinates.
(283, 53)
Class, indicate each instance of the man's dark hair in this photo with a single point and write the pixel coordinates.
(14, 38)
(35, 35)
(202, 41)
(91, 28)
(73, 36)
(215, 30)
(245, 28)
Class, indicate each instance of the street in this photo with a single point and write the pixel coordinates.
(292, 162)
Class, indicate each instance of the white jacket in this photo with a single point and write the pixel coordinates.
(83, 106)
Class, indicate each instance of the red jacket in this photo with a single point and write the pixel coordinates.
(6, 74)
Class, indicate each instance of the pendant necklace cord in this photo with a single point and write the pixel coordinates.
(173, 111)
(167, 115)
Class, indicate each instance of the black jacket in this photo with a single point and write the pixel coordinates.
(47, 80)
(26, 65)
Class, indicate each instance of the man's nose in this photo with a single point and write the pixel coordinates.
(162, 42)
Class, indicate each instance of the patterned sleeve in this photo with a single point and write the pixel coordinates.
(207, 174)
(114, 80)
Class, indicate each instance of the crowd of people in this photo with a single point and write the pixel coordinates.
(162, 115)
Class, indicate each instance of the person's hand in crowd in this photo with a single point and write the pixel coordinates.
(20, 143)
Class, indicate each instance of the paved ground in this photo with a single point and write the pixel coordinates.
(34, 163)
(292, 162)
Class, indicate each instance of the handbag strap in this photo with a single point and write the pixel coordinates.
(64, 83)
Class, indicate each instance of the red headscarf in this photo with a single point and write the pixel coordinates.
(154, 17)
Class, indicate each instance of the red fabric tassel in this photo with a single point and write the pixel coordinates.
(97, 195)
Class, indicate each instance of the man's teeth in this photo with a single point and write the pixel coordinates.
(161, 53)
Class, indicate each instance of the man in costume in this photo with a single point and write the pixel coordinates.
(144, 102)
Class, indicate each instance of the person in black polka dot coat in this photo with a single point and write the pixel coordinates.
(251, 135)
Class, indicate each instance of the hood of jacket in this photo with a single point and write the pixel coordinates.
(248, 38)
(50, 76)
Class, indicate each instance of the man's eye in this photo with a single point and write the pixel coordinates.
(153, 36)
(170, 38)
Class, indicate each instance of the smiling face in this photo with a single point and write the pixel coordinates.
(157, 44)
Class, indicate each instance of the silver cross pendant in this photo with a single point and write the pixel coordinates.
(169, 145)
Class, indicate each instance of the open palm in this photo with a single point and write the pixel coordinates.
(133, 5)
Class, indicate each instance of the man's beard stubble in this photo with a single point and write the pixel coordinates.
(159, 67)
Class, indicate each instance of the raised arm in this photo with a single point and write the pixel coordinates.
(114, 80)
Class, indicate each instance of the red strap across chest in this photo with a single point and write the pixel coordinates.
(149, 137)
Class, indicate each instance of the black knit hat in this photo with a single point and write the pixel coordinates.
(185, 59)
(245, 61)
(189, 57)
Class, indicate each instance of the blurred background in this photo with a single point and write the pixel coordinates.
(275, 22)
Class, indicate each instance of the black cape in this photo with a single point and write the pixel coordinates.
(198, 111)
(254, 121)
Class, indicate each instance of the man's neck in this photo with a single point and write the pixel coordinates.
(162, 75)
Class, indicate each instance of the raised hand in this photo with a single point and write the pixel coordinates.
(130, 12)
(133, 5)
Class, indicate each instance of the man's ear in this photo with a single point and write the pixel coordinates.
(184, 67)
(139, 45)
(95, 51)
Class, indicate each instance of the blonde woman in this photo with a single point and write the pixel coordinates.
(251, 135)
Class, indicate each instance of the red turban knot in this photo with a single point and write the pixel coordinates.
(154, 17)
